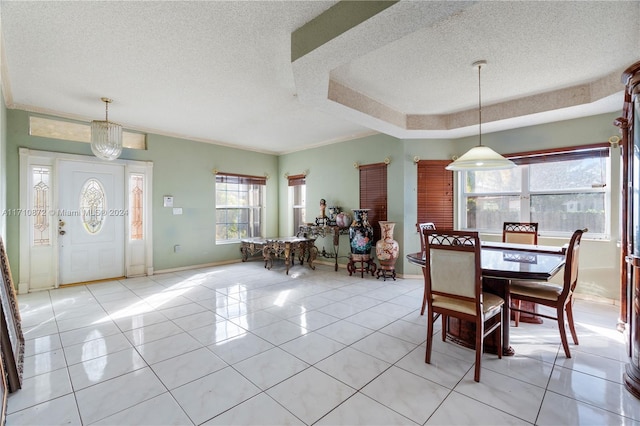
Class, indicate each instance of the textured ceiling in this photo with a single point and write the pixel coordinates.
(222, 72)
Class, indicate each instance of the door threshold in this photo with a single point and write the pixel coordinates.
(92, 282)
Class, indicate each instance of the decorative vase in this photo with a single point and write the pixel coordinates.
(333, 211)
(343, 220)
(360, 233)
(387, 248)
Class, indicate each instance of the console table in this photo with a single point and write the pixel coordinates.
(314, 231)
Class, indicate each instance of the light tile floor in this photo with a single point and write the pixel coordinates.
(239, 344)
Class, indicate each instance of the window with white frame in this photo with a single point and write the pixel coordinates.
(297, 200)
(239, 207)
(561, 190)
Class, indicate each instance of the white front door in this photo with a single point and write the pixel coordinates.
(91, 221)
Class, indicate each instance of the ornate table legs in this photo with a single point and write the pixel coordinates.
(267, 254)
(289, 250)
(250, 247)
(312, 253)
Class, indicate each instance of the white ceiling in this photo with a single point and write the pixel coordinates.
(221, 72)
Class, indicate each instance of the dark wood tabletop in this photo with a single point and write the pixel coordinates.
(509, 261)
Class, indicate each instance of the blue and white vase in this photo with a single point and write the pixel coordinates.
(360, 233)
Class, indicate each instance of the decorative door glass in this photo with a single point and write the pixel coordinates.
(136, 183)
(40, 212)
(92, 206)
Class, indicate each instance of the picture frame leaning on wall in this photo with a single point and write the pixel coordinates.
(4, 390)
(11, 336)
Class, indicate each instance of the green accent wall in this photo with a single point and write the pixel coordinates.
(183, 168)
(3, 166)
(332, 176)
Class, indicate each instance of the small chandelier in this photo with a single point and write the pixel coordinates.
(480, 157)
(106, 136)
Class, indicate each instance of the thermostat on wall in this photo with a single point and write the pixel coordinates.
(168, 201)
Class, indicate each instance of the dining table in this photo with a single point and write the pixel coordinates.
(500, 264)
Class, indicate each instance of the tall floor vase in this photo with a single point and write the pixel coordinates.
(387, 251)
(360, 241)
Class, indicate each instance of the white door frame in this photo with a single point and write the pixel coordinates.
(39, 265)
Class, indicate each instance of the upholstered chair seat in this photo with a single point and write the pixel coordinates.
(540, 290)
(490, 302)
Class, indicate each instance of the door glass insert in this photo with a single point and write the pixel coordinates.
(136, 192)
(93, 203)
(40, 206)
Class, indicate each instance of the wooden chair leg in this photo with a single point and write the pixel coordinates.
(424, 297)
(572, 327)
(563, 331)
(499, 331)
(479, 348)
(427, 357)
(517, 313)
(444, 327)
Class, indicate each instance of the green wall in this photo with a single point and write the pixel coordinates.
(3, 167)
(599, 259)
(332, 176)
(182, 168)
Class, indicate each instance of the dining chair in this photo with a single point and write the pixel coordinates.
(426, 226)
(520, 233)
(553, 295)
(454, 288)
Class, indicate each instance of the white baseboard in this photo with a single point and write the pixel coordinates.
(203, 265)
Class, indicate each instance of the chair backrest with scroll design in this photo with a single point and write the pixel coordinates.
(520, 232)
(453, 284)
(571, 264)
(454, 273)
(421, 227)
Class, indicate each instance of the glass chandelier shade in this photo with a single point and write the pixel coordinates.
(480, 157)
(106, 136)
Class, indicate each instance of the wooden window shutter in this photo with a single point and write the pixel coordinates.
(296, 180)
(598, 150)
(435, 193)
(241, 179)
(373, 194)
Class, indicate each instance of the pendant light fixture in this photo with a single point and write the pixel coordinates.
(480, 157)
(106, 136)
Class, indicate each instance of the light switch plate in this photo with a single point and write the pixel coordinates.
(177, 210)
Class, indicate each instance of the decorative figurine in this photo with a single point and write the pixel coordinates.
(323, 207)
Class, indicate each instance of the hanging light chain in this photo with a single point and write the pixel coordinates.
(479, 65)
(106, 101)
